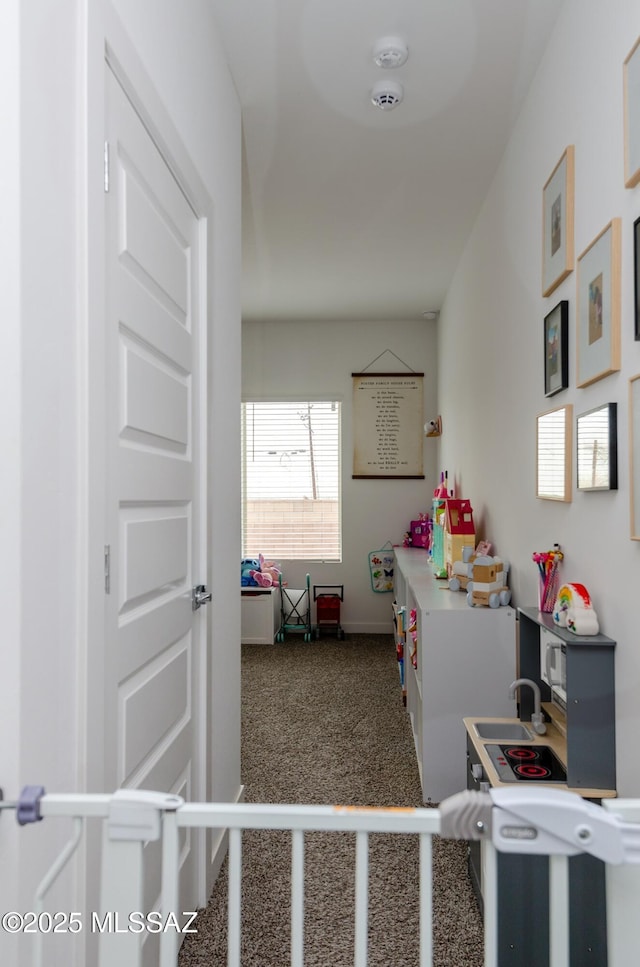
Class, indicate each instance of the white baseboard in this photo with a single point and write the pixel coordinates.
(372, 628)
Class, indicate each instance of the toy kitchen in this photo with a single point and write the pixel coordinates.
(565, 736)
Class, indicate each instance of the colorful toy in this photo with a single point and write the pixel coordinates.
(437, 538)
(488, 584)
(266, 574)
(413, 632)
(459, 530)
(462, 571)
(572, 610)
(443, 489)
(421, 531)
(247, 568)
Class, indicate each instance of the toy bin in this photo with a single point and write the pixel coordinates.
(327, 598)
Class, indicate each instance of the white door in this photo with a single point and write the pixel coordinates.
(155, 643)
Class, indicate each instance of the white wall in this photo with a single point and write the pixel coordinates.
(38, 427)
(10, 445)
(318, 359)
(43, 591)
(490, 341)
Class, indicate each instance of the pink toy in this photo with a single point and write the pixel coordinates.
(268, 575)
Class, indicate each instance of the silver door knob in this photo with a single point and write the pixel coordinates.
(199, 596)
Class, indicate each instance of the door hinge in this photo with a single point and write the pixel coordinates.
(106, 166)
(107, 569)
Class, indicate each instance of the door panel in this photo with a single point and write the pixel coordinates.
(154, 641)
(155, 403)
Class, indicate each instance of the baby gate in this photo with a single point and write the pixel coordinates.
(541, 821)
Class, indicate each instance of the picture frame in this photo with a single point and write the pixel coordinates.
(631, 98)
(556, 349)
(598, 306)
(636, 277)
(634, 457)
(597, 448)
(554, 448)
(557, 223)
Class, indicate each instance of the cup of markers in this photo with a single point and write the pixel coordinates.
(549, 576)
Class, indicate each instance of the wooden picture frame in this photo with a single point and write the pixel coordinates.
(597, 448)
(556, 349)
(631, 95)
(598, 307)
(634, 456)
(636, 277)
(554, 448)
(557, 223)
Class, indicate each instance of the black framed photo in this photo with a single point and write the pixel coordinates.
(636, 275)
(597, 437)
(556, 349)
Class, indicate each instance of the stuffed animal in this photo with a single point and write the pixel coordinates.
(266, 574)
(248, 567)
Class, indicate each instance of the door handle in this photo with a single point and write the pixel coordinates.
(199, 596)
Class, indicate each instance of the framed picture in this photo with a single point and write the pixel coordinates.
(631, 76)
(557, 223)
(597, 439)
(634, 455)
(636, 276)
(553, 453)
(556, 350)
(598, 309)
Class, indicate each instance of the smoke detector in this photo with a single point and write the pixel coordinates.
(386, 95)
(390, 52)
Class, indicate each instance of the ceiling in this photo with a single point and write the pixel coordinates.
(349, 211)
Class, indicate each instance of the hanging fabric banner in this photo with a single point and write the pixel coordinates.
(388, 425)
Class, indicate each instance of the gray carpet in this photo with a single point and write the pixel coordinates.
(324, 723)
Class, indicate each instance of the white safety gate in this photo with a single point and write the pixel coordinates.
(541, 821)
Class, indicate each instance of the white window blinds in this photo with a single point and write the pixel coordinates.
(291, 480)
(554, 454)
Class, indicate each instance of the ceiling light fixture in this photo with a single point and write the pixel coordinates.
(386, 95)
(430, 314)
(390, 52)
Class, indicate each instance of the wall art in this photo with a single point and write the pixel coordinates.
(556, 349)
(631, 80)
(553, 453)
(597, 448)
(557, 223)
(598, 307)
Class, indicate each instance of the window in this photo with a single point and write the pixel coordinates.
(291, 480)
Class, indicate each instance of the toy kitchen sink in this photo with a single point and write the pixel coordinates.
(575, 676)
(501, 731)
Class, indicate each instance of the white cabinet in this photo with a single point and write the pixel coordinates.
(260, 617)
(465, 662)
